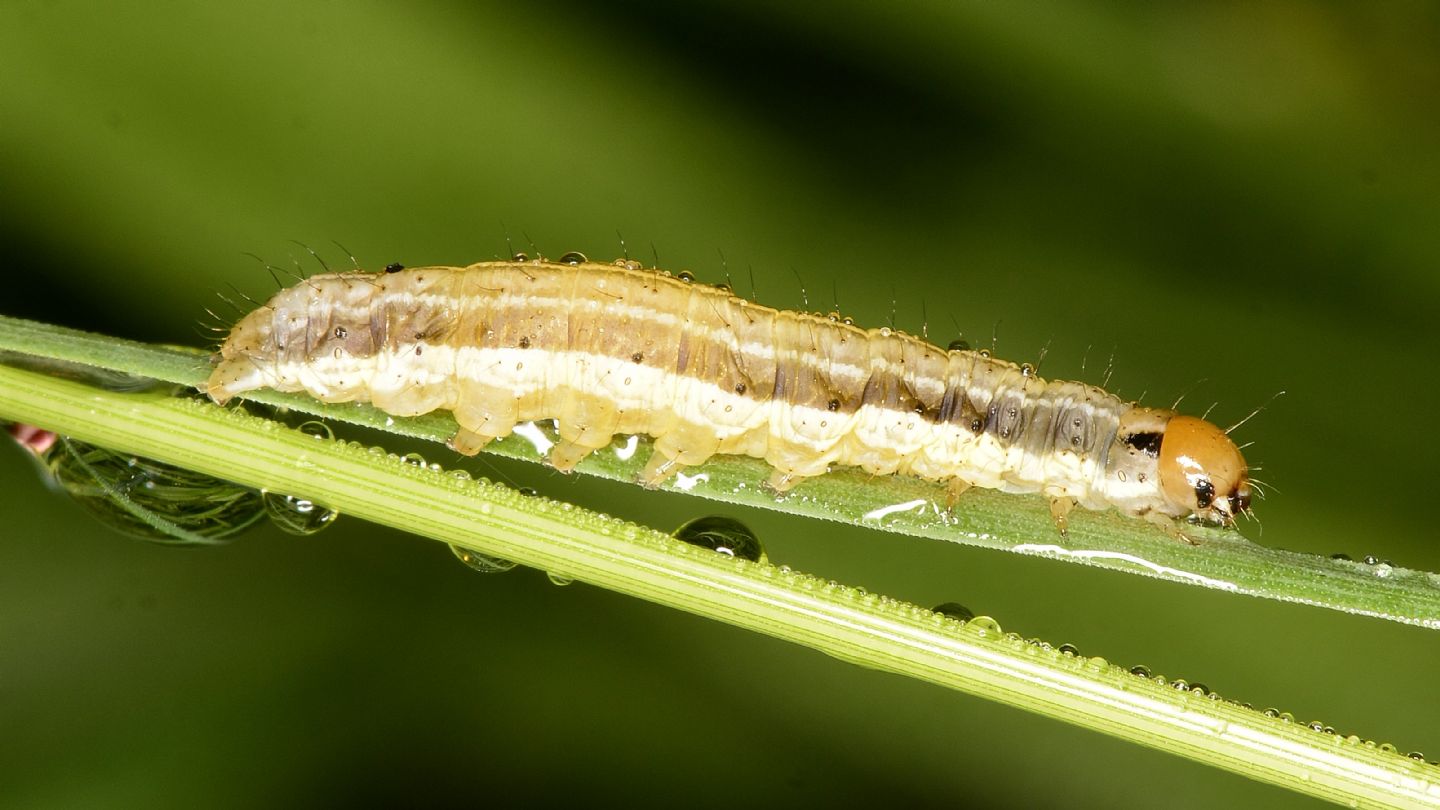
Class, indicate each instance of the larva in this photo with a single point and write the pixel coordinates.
(618, 349)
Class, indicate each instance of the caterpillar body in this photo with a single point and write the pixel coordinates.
(619, 349)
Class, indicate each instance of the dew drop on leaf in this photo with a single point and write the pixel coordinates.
(722, 534)
(484, 563)
(296, 515)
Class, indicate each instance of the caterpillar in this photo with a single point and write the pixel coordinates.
(607, 349)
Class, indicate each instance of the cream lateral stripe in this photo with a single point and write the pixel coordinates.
(986, 455)
(610, 349)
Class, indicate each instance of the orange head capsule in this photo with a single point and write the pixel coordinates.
(1202, 470)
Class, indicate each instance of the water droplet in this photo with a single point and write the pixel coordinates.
(1315, 725)
(296, 515)
(959, 345)
(529, 492)
(1272, 712)
(954, 610)
(722, 534)
(984, 625)
(1388, 748)
(1287, 717)
(573, 257)
(484, 563)
(145, 498)
(1069, 649)
(414, 459)
(460, 475)
(520, 257)
(318, 429)
(1200, 687)
(685, 275)
(557, 579)
(1340, 556)
(1140, 671)
(1416, 755)
(1180, 684)
(1027, 370)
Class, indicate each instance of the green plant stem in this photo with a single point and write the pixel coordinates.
(874, 631)
(1223, 560)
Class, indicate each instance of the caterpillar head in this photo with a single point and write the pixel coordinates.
(1201, 470)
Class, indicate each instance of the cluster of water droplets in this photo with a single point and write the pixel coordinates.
(956, 617)
(1142, 672)
(730, 538)
(727, 537)
(1199, 689)
(1379, 567)
(718, 534)
(163, 503)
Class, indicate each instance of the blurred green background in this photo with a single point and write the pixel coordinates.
(1246, 194)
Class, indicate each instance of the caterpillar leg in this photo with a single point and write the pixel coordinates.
(1060, 513)
(477, 429)
(954, 488)
(683, 446)
(1170, 527)
(565, 455)
(658, 470)
(780, 482)
(467, 442)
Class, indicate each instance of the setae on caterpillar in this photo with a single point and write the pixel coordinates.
(619, 349)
